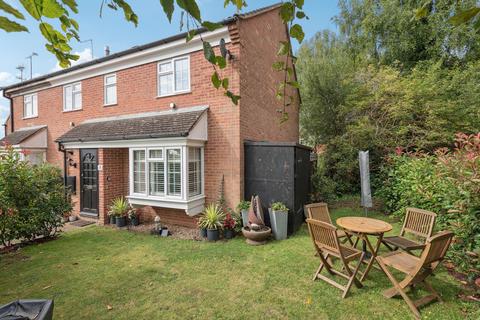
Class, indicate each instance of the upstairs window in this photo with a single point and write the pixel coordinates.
(30, 106)
(173, 76)
(110, 89)
(72, 97)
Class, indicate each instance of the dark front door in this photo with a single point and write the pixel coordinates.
(89, 181)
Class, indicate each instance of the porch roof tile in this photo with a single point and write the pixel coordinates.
(19, 136)
(172, 124)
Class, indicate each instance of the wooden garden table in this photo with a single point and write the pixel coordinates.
(363, 227)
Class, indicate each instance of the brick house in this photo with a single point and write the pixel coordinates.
(146, 123)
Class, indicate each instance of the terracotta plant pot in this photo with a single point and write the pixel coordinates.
(228, 233)
(256, 238)
(213, 234)
(121, 222)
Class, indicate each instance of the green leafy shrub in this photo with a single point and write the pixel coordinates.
(447, 183)
(243, 205)
(32, 199)
(119, 207)
(279, 206)
(212, 217)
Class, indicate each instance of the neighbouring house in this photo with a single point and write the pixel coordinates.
(146, 123)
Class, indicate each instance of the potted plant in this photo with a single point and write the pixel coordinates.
(112, 217)
(133, 217)
(119, 208)
(279, 220)
(213, 221)
(243, 207)
(229, 224)
(202, 226)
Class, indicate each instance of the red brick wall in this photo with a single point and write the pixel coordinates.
(112, 179)
(259, 120)
(228, 126)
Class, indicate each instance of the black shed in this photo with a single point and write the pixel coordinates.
(279, 172)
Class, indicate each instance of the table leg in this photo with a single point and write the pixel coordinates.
(374, 254)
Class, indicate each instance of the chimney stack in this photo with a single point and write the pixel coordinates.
(107, 50)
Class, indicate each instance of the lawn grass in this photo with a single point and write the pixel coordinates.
(146, 277)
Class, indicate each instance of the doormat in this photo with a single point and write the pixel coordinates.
(81, 223)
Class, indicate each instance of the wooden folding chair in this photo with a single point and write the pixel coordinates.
(416, 269)
(325, 241)
(319, 211)
(418, 223)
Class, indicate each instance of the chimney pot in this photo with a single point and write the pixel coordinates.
(107, 50)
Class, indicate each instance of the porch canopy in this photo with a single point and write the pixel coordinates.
(166, 154)
(30, 141)
(154, 125)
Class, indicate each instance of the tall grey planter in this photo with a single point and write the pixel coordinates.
(245, 217)
(279, 223)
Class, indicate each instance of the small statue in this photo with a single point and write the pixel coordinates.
(158, 226)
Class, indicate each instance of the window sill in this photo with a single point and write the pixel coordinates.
(192, 206)
(32, 117)
(75, 110)
(174, 94)
(110, 105)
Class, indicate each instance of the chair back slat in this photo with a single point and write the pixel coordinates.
(419, 222)
(436, 248)
(318, 211)
(324, 235)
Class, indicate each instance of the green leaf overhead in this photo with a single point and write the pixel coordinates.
(208, 52)
(190, 35)
(128, 12)
(33, 7)
(211, 26)
(287, 12)
(168, 7)
(52, 9)
(216, 80)
(296, 32)
(191, 7)
(11, 26)
(11, 10)
(221, 62)
(284, 48)
(72, 4)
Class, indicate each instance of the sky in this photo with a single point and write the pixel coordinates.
(113, 30)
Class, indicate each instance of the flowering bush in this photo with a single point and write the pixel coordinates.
(32, 199)
(229, 222)
(447, 183)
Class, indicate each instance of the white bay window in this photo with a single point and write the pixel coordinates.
(167, 176)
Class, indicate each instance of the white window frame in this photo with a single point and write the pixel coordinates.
(184, 190)
(34, 106)
(172, 71)
(150, 160)
(131, 166)
(108, 85)
(74, 108)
